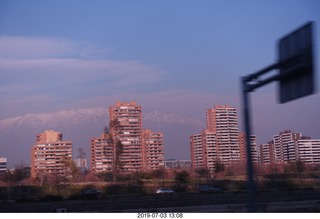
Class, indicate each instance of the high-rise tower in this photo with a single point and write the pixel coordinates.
(101, 154)
(126, 126)
(285, 146)
(243, 147)
(153, 151)
(51, 155)
(219, 142)
(223, 121)
(125, 147)
(203, 150)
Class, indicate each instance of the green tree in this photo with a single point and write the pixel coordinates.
(117, 145)
(19, 173)
(182, 179)
(159, 173)
(117, 161)
(218, 166)
(181, 176)
(297, 167)
(301, 168)
(15, 177)
(203, 172)
(106, 130)
(70, 167)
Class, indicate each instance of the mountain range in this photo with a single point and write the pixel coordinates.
(17, 134)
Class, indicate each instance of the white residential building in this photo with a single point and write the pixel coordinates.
(309, 150)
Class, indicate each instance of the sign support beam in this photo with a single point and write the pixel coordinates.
(296, 70)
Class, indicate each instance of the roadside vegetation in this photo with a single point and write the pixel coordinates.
(17, 185)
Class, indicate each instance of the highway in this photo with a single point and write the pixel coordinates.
(269, 201)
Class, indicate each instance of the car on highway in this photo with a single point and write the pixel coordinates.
(91, 193)
(165, 191)
(209, 189)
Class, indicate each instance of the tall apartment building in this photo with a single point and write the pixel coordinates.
(288, 146)
(51, 155)
(223, 121)
(309, 150)
(153, 150)
(209, 143)
(285, 146)
(203, 150)
(129, 132)
(219, 142)
(3, 164)
(267, 153)
(243, 148)
(101, 154)
(142, 149)
(197, 153)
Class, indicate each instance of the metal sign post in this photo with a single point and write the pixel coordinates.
(251, 186)
(296, 79)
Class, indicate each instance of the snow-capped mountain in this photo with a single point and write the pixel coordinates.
(54, 119)
(17, 134)
(171, 118)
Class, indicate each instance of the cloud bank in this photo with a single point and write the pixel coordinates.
(51, 71)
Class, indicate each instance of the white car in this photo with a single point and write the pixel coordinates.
(165, 191)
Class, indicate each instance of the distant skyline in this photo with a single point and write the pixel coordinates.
(174, 56)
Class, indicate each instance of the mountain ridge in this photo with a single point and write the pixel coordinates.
(93, 113)
(17, 134)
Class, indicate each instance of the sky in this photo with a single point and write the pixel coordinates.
(174, 56)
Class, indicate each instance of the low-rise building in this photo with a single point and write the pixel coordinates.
(81, 164)
(173, 163)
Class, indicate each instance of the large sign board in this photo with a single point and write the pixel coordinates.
(296, 64)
